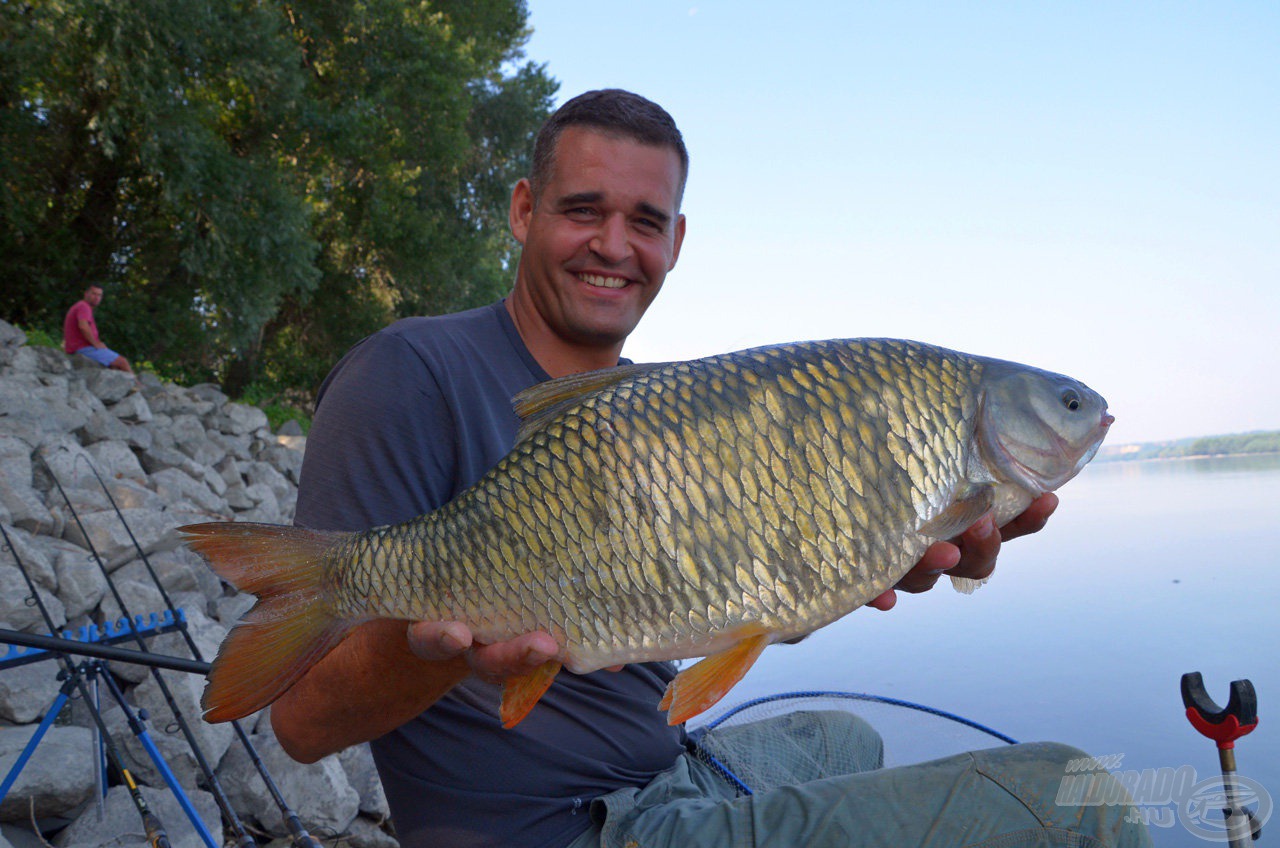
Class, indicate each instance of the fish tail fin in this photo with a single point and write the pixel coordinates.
(290, 628)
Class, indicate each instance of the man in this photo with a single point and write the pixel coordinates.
(80, 333)
(416, 413)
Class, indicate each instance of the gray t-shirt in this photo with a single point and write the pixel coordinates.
(409, 418)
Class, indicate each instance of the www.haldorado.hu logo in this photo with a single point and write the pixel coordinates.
(1164, 797)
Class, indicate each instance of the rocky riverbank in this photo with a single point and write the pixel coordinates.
(169, 456)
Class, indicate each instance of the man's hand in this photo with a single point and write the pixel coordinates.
(443, 640)
(972, 554)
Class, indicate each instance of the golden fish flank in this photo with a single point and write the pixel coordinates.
(664, 511)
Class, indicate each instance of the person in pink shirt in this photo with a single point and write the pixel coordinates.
(80, 333)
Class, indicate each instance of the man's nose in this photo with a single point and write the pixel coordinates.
(611, 242)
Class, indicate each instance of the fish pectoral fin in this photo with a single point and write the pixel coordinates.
(700, 686)
(969, 505)
(520, 693)
(968, 585)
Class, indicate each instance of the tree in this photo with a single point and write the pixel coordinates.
(259, 183)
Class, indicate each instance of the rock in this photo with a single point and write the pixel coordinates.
(290, 428)
(34, 555)
(132, 409)
(121, 827)
(81, 586)
(320, 793)
(173, 485)
(266, 509)
(213, 739)
(103, 426)
(238, 418)
(28, 691)
(189, 436)
(362, 774)
(11, 336)
(57, 780)
(229, 610)
(24, 505)
(210, 393)
(114, 460)
(363, 833)
(104, 531)
(266, 473)
(108, 385)
(13, 602)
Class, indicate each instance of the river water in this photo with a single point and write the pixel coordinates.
(1147, 571)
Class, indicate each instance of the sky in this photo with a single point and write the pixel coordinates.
(1089, 188)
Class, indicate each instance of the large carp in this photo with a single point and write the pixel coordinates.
(654, 512)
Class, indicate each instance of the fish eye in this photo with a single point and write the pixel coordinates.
(1071, 400)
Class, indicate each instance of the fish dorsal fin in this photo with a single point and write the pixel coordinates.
(539, 404)
(970, 504)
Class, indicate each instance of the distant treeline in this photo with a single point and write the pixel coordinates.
(1237, 443)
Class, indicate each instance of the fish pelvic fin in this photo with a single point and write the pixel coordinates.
(290, 628)
(520, 693)
(966, 508)
(700, 686)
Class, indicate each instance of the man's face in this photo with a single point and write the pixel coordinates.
(93, 295)
(601, 237)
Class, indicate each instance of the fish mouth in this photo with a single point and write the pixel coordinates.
(1058, 451)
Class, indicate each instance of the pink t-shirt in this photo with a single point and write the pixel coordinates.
(72, 338)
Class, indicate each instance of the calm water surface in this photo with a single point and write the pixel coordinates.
(1147, 571)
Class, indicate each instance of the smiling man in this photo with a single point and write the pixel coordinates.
(416, 413)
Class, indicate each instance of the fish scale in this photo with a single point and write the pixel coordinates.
(683, 509)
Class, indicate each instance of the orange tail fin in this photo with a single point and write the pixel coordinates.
(290, 628)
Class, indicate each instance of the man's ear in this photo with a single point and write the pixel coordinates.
(521, 210)
(678, 240)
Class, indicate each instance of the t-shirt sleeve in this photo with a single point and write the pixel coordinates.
(382, 447)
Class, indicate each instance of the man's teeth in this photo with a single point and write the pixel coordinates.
(602, 282)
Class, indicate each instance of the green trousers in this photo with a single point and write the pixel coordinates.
(997, 798)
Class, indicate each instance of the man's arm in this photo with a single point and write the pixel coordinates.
(386, 673)
(86, 330)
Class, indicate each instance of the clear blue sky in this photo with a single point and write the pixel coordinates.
(1092, 188)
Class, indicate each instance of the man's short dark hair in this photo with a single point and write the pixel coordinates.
(613, 112)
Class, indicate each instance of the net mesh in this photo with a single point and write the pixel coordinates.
(797, 737)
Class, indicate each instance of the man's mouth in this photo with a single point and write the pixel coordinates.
(603, 282)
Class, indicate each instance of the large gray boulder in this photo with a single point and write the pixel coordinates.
(121, 825)
(320, 793)
(55, 780)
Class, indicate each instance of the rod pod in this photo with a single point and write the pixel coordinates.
(300, 837)
(155, 832)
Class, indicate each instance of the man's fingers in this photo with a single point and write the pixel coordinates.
(979, 547)
(515, 656)
(938, 557)
(1033, 519)
(438, 640)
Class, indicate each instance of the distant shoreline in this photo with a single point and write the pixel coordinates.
(1261, 443)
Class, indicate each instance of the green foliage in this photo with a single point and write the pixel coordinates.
(37, 337)
(259, 183)
(279, 406)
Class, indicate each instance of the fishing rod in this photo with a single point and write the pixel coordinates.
(137, 724)
(301, 839)
(155, 832)
(244, 840)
